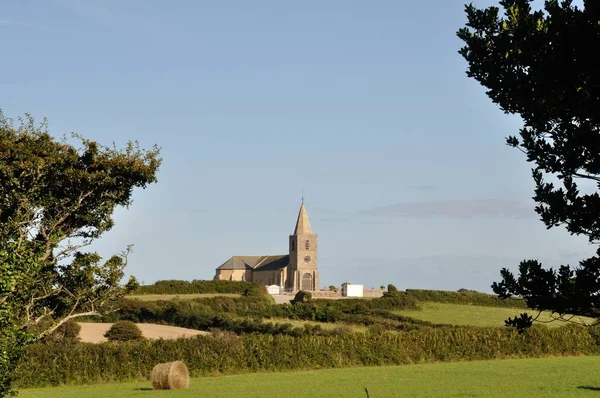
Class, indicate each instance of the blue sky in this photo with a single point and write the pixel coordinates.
(364, 105)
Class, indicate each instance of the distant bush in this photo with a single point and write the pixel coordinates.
(301, 297)
(203, 286)
(67, 332)
(465, 297)
(391, 291)
(225, 353)
(124, 331)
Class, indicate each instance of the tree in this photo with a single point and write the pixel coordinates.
(124, 331)
(301, 297)
(55, 200)
(540, 66)
(392, 291)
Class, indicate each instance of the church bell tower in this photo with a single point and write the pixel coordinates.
(302, 271)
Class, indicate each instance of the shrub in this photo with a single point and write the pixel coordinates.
(391, 291)
(302, 297)
(200, 287)
(124, 331)
(68, 332)
(255, 290)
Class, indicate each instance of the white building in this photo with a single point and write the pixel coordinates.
(349, 290)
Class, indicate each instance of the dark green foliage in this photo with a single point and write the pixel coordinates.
(391, 290)
(225, 353)
(302, 297)
(537, 64)
(469, 298)
(256, 290)
(332, 288)
(68, 332)
(56, 199)
(12, 346)
(203, 286)
(521, 323)
(124, 331)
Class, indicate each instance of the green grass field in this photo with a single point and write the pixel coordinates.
(456, 314)
(324, 325)
(156, 297)
(548, 377)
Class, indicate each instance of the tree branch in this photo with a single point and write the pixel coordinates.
(64, 320)
(587, 176)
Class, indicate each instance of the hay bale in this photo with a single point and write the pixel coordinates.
(170, 376)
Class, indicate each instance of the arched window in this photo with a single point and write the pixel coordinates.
(307, 245)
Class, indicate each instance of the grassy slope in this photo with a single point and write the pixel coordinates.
(457, 314)
(324, 325)
(557, 377)
(156, 297)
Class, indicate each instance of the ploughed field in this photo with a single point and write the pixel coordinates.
(548, 377)
(92, 332)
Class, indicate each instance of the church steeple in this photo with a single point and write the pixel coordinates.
(302, 224)
(302, 270)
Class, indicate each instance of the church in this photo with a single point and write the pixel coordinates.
(292, 272)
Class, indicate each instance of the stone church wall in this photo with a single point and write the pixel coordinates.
(276, 277)
(234, 275)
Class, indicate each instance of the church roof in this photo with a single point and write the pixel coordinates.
(273, 263)
(302, 225)
(258, 263)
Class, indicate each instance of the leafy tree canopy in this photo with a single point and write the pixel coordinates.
(55, 200)
(124, 331)
(542, 65)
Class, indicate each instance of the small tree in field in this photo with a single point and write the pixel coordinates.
(540, 65)
(124, 331)
(55, 200)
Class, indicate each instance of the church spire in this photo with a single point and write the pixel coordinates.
(302, 225)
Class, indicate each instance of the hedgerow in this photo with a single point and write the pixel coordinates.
(202, 287)
(225, 313)
(467, 297)
(226, 353)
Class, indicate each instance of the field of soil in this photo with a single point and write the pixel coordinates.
(94, 332)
